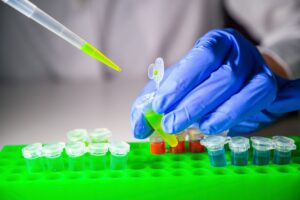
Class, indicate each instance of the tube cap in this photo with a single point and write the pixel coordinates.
(262, 143)
(98, 149)
(53, 150)
(77, 135)
(119, 148)
(99, 135)
(283, 143)
(32, 151)
(239, 144)
(75, 149)
(214, 142)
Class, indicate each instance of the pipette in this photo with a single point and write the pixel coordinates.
(33, 12)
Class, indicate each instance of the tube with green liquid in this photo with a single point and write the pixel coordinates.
(154, 119)
(156, 73)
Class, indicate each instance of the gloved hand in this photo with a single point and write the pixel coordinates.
(221, 82)
(287, 100)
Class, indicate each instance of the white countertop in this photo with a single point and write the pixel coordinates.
(45, 112)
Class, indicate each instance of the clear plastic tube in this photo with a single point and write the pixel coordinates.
(98, 155)
(75, 152)
(215, 148)
(33, 156)
(262, 147)
(119, 155)
(283, 147)
(33, 12)
(53, 156)
(239, 150)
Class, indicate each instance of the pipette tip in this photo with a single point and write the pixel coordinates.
(95, 53)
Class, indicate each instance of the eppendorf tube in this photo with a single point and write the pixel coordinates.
(215, 148)
(53, 156)
(97, 156)
(33, 156)
(157, 144)
(75, 152)
(262, 147)
(239, 150)
(180, 148)
(283, 147)
(119, 155)
(144, 103)
(194, 137)
(100, 135)
(78, 135)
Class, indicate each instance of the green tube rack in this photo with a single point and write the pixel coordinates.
(149, 177)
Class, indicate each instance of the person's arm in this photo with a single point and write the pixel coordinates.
(274, 64)
(277, 25)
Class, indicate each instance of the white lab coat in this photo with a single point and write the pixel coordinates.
(133, 33)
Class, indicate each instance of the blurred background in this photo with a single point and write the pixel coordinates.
(48, 87)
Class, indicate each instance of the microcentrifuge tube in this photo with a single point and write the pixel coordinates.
(119, 155)
(239, 150)
(283, 147)
(262, 147)
(53, 156)
(33, 156)
(180, 148)
(78, 135)
(100, 135)
(194, 137)
(144, 104)
(97, 156)
(75, 152)
(215, 148)
(157, 144)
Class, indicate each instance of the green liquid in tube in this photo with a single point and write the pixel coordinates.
(95, 53)
(154, 120)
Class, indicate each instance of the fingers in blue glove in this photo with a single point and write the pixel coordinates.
(206, 56)
(219, 87)
(288, 98)
(258, 94)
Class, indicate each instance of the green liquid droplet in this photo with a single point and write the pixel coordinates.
(95, 53)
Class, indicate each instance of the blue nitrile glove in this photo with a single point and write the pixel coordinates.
(221, 82)
(287, 100)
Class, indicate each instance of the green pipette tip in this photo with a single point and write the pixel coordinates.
(95, 53)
